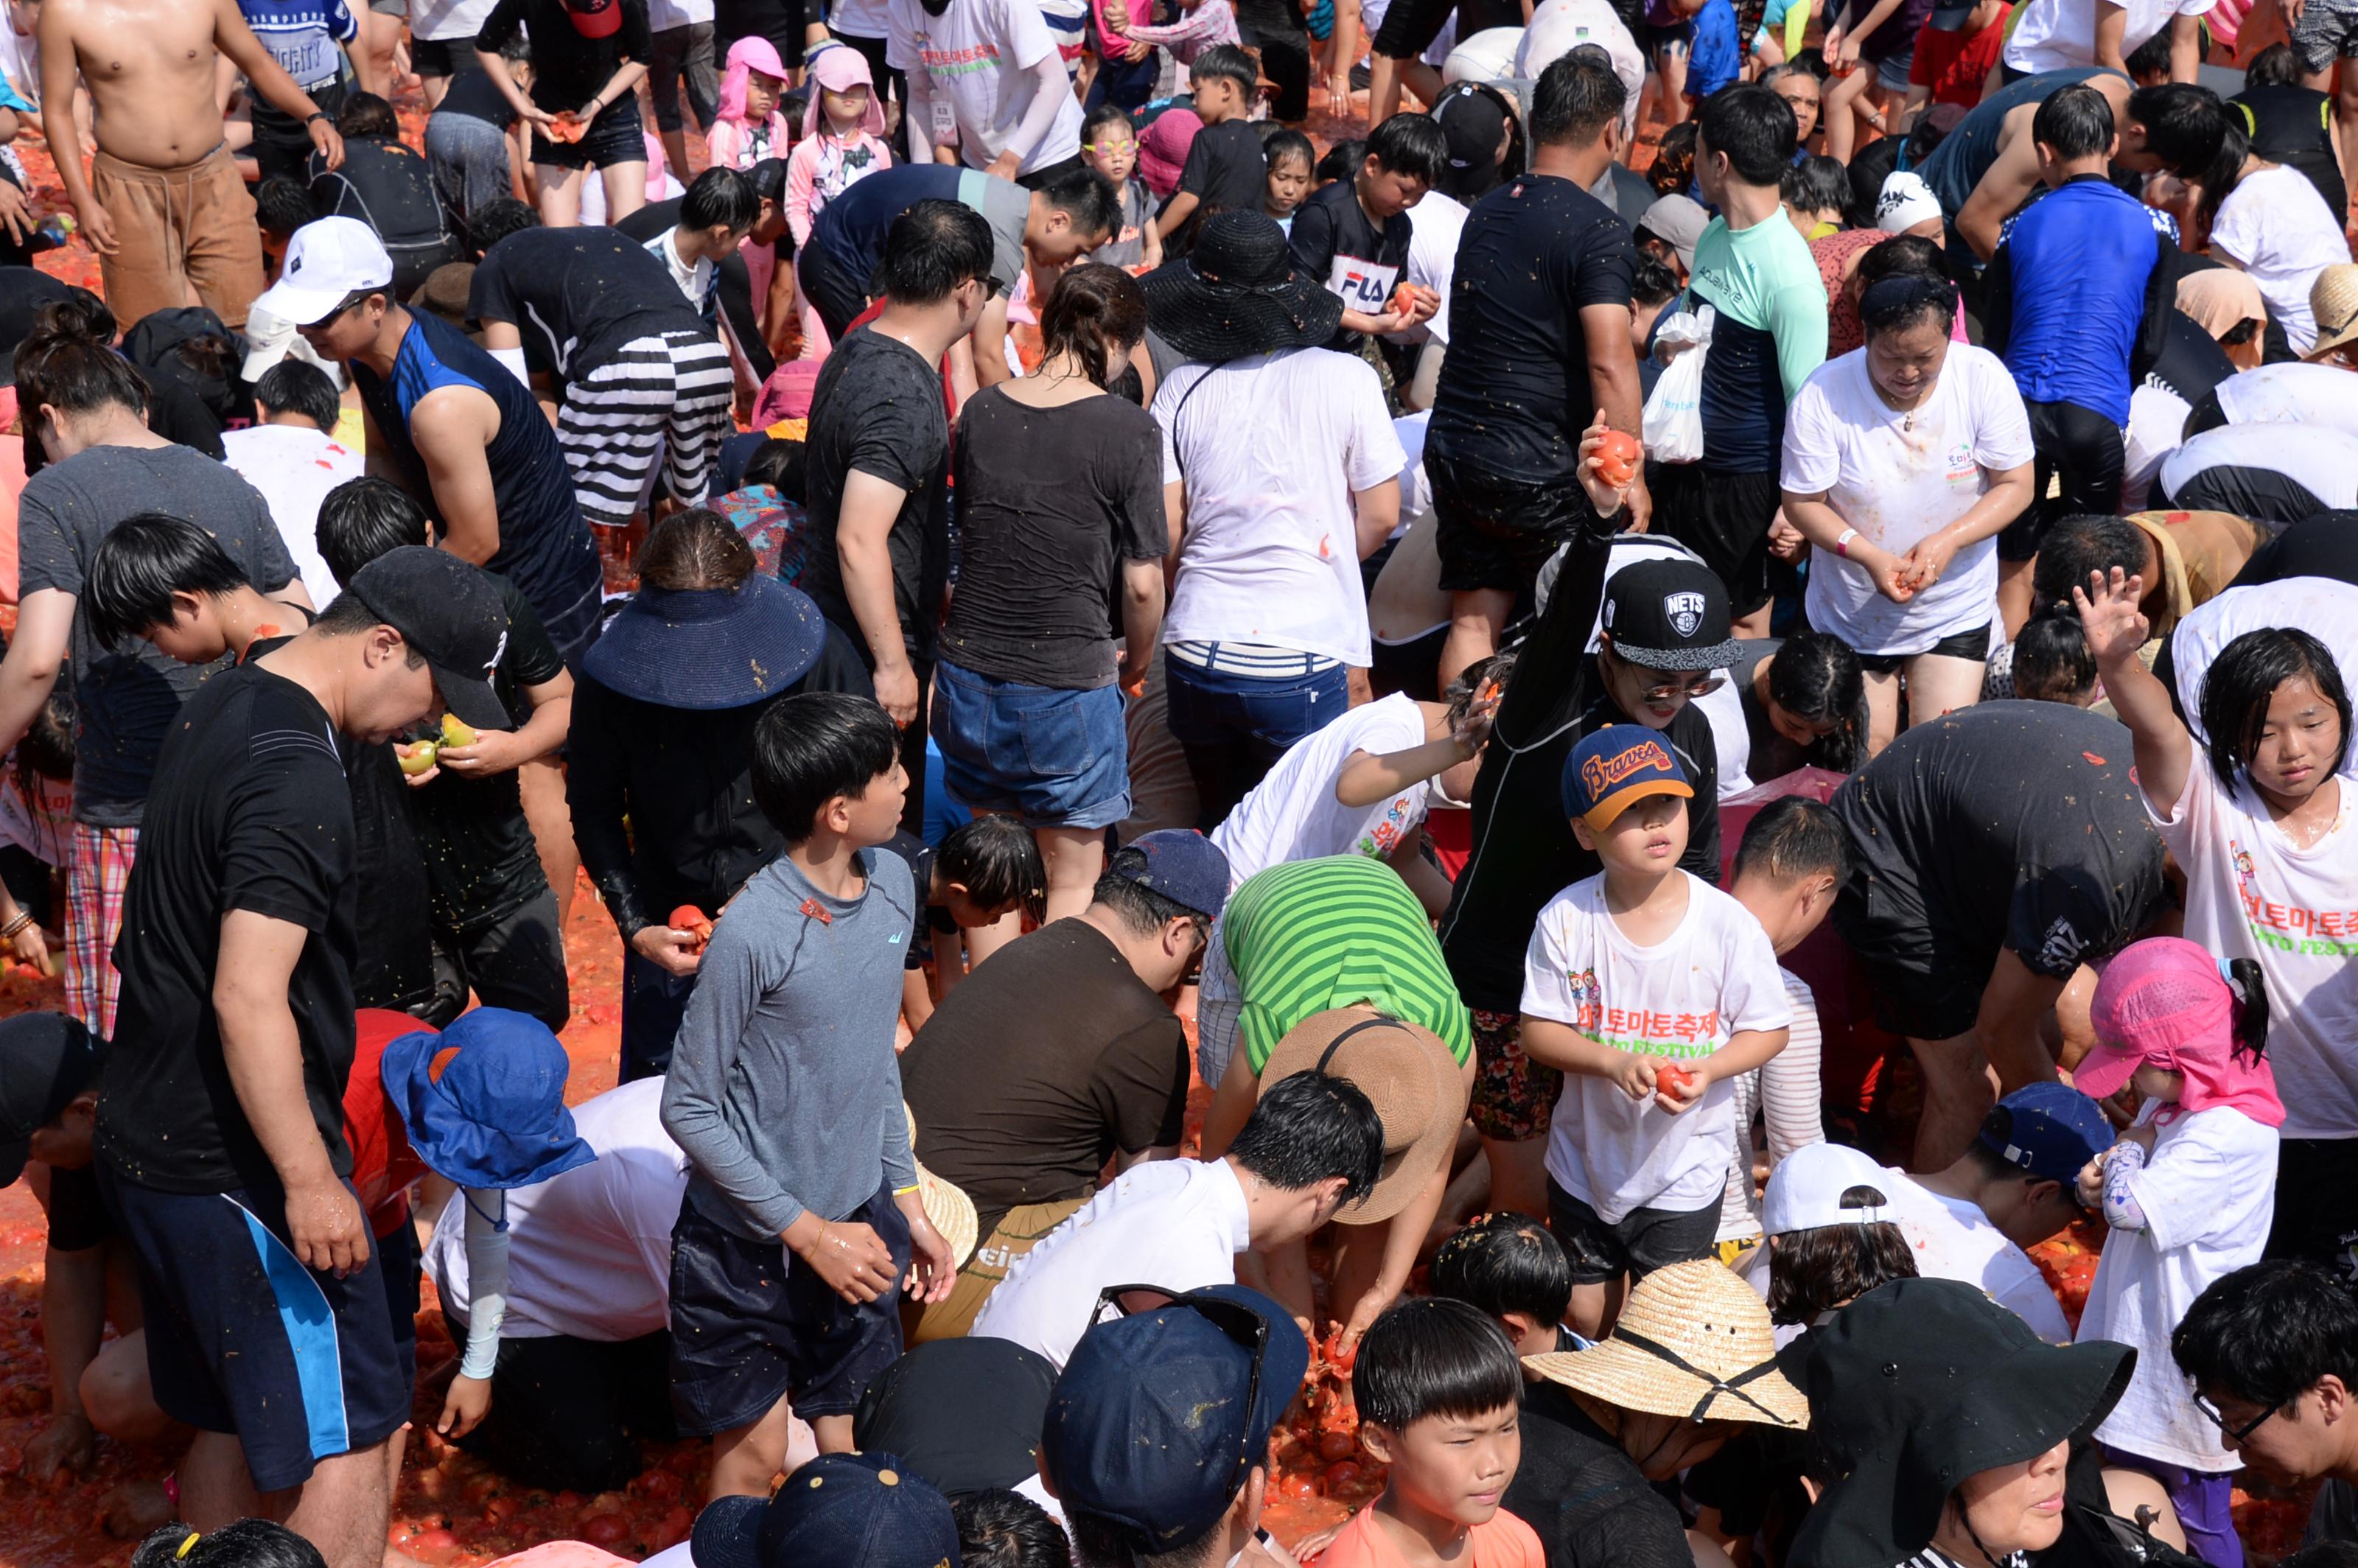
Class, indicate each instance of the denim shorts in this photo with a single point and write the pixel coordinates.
(1055, 758)
(617, 135)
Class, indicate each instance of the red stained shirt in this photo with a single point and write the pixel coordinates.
(1953, 65)
(383, 1163)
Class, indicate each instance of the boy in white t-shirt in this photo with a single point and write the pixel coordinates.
(1652, 991)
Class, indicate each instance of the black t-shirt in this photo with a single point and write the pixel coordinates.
(250, 811)
(1336, 244)
(473, 92)
(577, 295)
(1514, 393)
(568, 68)
(2294, 126)
(1051, 502)
(919, 857)
(1588, 1501)
(1040, 1065)
(2323, 545)
(480, 858)
(394, 970)
(386, 186)
(2007, 821)
(1226, 168)
(878, 409)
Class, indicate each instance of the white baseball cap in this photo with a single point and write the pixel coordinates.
(326, 262)
(1805, 1190)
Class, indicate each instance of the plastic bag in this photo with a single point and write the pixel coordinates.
(1674, 422)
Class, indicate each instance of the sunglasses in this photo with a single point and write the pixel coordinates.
(1702, 686)
(1238, 1322)
(2236, 1434)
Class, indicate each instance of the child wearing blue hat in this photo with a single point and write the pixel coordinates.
(1652, 991)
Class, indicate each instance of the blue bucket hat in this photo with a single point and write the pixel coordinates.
(709, 648)
(495, 1115)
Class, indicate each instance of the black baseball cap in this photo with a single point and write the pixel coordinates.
(452, 615)
(1668, 615)
(46, 1059)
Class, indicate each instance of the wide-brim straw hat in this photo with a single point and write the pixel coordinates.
(1693, 1341)
(1410, 1077)
(948, 1208)
(2333, 300)
(1237, 294)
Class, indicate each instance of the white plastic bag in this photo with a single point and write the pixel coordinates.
(1674, 422)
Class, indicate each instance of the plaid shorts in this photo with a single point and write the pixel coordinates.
(98, 868)
(1514, 1097)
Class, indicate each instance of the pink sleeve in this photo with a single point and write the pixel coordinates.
(723, 141)
(800, 166)
(877, 145)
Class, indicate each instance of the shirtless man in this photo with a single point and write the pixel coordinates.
(163, 205)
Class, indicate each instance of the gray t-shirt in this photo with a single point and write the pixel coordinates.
(125, 698)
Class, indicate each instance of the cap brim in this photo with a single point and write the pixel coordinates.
(1708, 657)
(304, 307)
(2104, 1070)
(472, 698)
(726, 1533)
(602, 23)
(1605, 812)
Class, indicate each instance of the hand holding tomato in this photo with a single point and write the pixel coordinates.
(1607, 477)
(1679, 1088)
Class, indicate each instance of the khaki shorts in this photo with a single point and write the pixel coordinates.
(183, 236)
(1015, 1235)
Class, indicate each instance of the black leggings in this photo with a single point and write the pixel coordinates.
(2082, 449)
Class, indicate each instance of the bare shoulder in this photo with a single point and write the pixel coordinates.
(454, 412)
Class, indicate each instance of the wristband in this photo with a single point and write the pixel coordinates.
(1842, 546)
(904, 1192)
(315, 116)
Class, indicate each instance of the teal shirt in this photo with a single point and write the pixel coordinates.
(1771, 334)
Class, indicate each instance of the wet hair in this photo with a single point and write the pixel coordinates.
(1097, 314)
(367, 117)
(1902, 256)
(694, 550)
(363, 518)
(719, 197)
(1811, 1272)
(1105, 115)
(2269, 1332)
(1225, 62)
(2249, 982)
(2151, 58)
(1651, 281)
(1287, 142)
(1905, 301)
(1309, 1127)
(1341, 162)
(814, 746)
(293, 386)
(2077, 546)
(2272, 67)
(1433, 1357)
(1817, 677)
(1088, 197)
(282, 205)
(2244, 676)
(1867, 170)
(997, 858)
(2075, 121)
(145, 560)
(769, 180)
(1461, 693)
(1501, 1263)
(245, 1543)
(1412, 144)
(76, 376)
(932, 248)
(1794, 837)
(2190, 132)
(1000, 1528)
(1573, 101)
(1816, 184)
(2051, 661)
(1672, 169)
(494, 220)
(778, 462)
(1141, 911)
(1753, 128)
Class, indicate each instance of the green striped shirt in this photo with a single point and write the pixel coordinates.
(1308, 936)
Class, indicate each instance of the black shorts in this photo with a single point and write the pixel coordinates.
(1413, 666)
(751, 1327)
(1974, 646)
(617, 135)
(242, 1338)
(1926, 981)
(1645, 1239)
(394, 1258)
(442, 57)
(1723, 518)
(2319, 1222)
(1492, 532)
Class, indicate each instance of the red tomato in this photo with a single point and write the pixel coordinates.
(1297, 1488)
(1618, 457)
(672, 1530)
(1334, 1446)
(1342, 1476)
(1673, 1078)
(432, 1540)
(605, 1530)
(1341, 1357)
(693, 921)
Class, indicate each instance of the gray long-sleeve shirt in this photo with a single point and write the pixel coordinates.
(783, 1089)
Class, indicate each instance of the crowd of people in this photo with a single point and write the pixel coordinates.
(1693, 693)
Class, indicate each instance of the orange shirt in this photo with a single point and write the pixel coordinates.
(1505, 1541)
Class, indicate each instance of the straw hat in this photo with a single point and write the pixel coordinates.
(1410, 1077)
(948, 1208)
(2333, 300)
(1695, 1341)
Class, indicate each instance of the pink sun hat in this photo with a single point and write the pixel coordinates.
(2165, 1001)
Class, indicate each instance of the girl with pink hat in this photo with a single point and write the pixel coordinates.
(749, 127)
(842, 141)
(2188, 1192)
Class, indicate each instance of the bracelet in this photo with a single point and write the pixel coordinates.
(24, 918)
(1842, 546)
(315, 116)
(904, 1192)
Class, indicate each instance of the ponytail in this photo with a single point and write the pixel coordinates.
(2244, 979)
(1097, 314)
(2225, 170)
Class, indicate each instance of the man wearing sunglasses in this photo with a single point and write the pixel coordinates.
(1662, 641)
(1157, 1433)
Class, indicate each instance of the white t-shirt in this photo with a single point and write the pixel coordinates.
(1178, 1224)
(2157, 428)
(1954, 1240)
(446, 19)
(1273, 452)
(2324, 607)
(2251, 895)
(1730, 735)
(977, 57)
(2209, 1191)
(663, 15)
(1898, 478)
(2277, 227)
(294, 466)
(1682, 999)
(2291, 394)
(860, 19)
(1293, 815)
(1435, 222)
(20, 60)
(2057, 34)
(2322, 461)
(1559, 26)
(589, 1252)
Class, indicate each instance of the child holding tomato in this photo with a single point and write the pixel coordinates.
(1651, 990)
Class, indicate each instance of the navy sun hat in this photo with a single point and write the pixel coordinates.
(845, 1510)
(705, 649)
(493, 1114)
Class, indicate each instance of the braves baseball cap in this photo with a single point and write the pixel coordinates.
(1614, 767)
(2049, 1130)
(1182, 866)
(452, 615)
(1669, 615)
(595, 19)
(46, 1059)
(846, 1510)
(327, 262)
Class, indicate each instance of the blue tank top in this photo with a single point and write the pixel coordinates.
(2081, 258)
(1965, 154)
(545, 549)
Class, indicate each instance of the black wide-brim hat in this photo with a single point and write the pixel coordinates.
(1916, 1386)
(1237, 294)
(709, 648)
